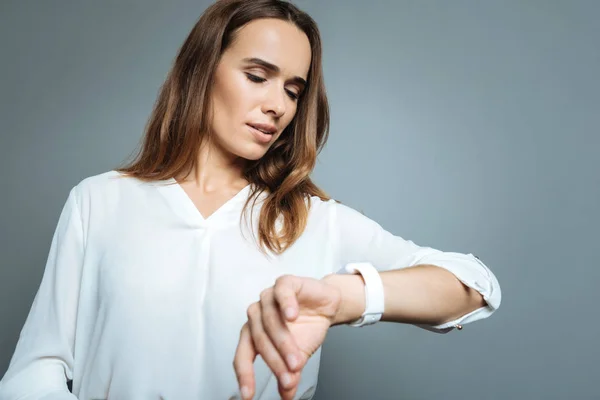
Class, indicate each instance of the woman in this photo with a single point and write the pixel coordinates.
(214, 246)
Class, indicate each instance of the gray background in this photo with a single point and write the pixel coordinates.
(466, 125)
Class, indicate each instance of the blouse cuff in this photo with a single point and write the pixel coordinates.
(473, 273)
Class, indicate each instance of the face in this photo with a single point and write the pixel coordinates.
(257, 85)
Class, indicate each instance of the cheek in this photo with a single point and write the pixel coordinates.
(289, 117)
(233, 97)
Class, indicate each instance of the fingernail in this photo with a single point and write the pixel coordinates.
(289, 312)
(286, 379)
(292, 361)
(245, 392)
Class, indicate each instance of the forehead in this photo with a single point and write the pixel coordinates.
(275, 41)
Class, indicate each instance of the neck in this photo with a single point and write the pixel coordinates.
(217, 169)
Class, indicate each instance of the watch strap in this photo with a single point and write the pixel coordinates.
(374, 294)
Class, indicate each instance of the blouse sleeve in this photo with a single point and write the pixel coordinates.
(360, 239)
(43, 358)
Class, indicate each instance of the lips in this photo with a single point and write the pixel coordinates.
(261, 135)
(267, 129)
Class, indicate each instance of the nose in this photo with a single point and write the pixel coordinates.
(274, 102)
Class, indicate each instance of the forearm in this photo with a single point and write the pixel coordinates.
(423, 294)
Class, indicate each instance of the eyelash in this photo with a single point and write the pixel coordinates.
(258, 79)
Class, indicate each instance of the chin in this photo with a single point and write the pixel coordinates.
(252, 154)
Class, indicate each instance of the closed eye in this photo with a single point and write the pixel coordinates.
(258, 79)
(292, 95)
(255, 78)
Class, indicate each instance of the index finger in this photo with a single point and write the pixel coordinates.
(243, 363)
(284, 291)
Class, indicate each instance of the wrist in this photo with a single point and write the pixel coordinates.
(352, 291)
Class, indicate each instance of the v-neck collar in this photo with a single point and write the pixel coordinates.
(183, 205)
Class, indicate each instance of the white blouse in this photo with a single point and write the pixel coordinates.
(143, 298)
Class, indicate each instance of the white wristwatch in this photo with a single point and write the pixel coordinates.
(374, 296)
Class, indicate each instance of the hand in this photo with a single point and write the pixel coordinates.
(285, 327)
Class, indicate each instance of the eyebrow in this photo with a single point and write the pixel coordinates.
(273, 68)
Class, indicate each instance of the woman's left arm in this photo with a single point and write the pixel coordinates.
(433, 289)
(424, 295)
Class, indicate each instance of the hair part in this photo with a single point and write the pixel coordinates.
(175, 129)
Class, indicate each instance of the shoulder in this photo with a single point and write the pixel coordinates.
(318, 206)
(105, 188)
(103, 181)
(333, 207)
(340, 214)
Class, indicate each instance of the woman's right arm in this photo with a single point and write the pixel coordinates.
(43, 358)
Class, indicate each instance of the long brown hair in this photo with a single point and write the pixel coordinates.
(176, 129)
